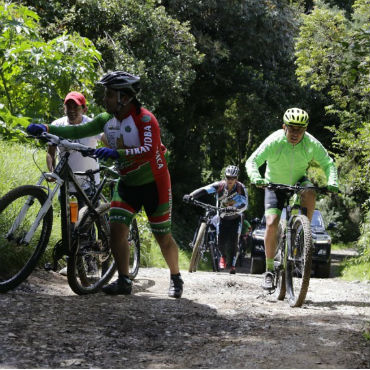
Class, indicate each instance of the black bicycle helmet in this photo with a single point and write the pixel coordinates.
(121, 81)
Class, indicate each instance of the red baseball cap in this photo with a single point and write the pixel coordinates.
(77, 97)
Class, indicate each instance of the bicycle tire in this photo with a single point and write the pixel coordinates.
(134, 244)
(280, 263)
(19, 259)
(299, 261)
(195, 256)
(215, 256)
(91, 263)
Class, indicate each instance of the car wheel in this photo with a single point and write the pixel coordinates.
(323, 270)
(257, 266)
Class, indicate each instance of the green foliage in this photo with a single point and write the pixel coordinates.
(17, 165)
(333, 57)
(28, 162)
(151, 255)
(242, 84)
(135, 36)
(28, 172)
(35, 75)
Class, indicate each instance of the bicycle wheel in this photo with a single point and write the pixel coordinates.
(18, 212)
(134, 244)
(195, 257)
(215, 256)
(280, 263)
(91, 264)
(299, 261)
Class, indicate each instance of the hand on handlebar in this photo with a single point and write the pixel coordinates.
(36, 129)
(105, 153)
(231, 209)
(261, 182)
(333, 188)
(187, 198)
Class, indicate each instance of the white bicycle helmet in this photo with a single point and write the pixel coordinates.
(232, 171)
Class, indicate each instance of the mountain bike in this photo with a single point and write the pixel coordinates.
(206, 237)
(293, 259)
(26, 217)
(110, 177)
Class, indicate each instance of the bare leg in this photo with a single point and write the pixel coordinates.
(272, 224)
(170, 251)
(308, 200)
(120, 246)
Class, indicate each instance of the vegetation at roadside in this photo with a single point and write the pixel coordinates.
(27, 171)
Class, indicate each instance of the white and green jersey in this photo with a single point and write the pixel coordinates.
(287, 163)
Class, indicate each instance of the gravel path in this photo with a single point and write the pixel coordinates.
(222, 321)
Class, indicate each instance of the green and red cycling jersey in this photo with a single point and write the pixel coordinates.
(136, 138)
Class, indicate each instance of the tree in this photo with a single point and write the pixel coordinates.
(36, 75)
(333, 56)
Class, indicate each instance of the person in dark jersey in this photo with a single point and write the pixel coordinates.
(232, 194)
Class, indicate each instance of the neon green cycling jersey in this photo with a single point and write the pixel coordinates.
(287, 163)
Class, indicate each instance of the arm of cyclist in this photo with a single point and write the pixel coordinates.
(258, 158)
(205, 190)
(200, 192)
(92, 128)
(327, 164)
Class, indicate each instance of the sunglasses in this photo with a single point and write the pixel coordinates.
(296, 129)
(230, 178)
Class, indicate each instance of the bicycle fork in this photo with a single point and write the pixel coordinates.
(22, 214)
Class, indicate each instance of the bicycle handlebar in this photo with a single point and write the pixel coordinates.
(209, 207)
(111, 170)
(67, 144)
(297, 188)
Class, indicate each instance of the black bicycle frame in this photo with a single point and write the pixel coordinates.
(65, 173)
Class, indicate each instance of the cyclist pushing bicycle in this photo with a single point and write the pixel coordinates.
(133, 135)
(232, 194)
(287, 153)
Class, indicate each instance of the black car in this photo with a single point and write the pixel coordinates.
(321, 259)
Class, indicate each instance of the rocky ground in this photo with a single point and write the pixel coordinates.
(222, 321)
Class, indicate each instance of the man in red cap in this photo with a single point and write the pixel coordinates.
(75, 109)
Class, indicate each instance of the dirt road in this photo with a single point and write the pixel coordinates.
(222, 321)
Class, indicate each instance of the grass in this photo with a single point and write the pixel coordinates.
(341, 246)
(18, 168)
(352, 268)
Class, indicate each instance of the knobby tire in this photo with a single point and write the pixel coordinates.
(299, 261)
(91, 254)
(214, 256)
(195, 257)
(280, 263)
(17, 259)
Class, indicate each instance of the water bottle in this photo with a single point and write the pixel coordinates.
(73, 208)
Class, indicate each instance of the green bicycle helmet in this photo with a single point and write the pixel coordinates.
(296, 117)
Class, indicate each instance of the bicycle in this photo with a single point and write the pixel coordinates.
(206, 237)
(133, 237)
(293, 258)
(26, 217)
